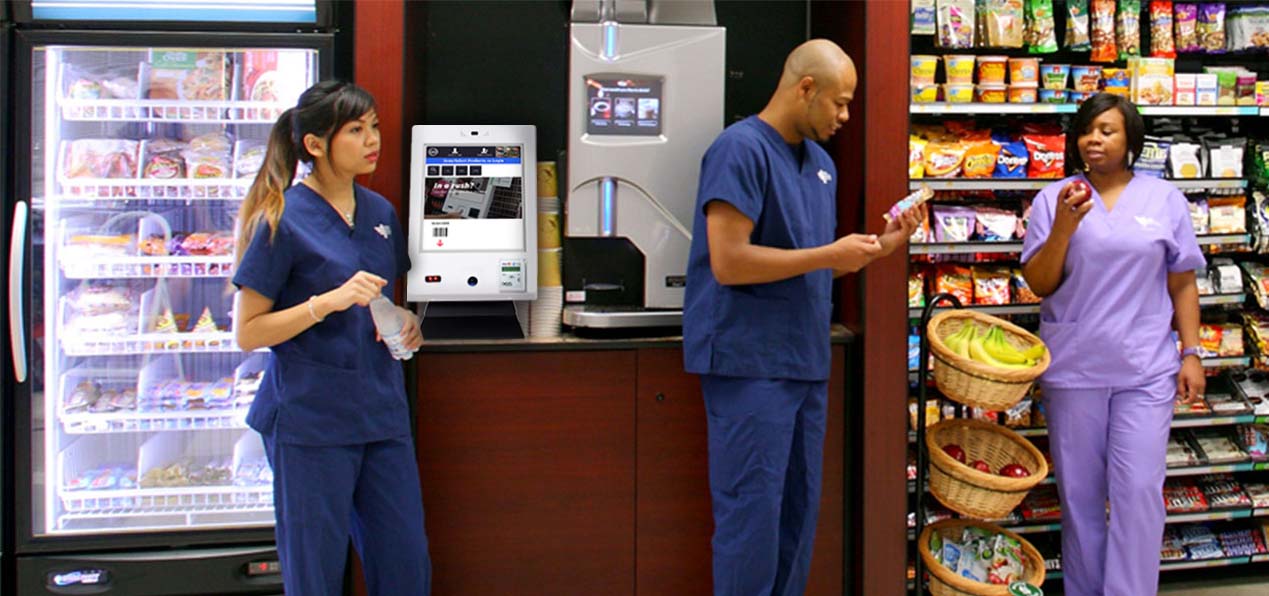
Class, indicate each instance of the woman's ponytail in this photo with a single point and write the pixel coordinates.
(265, 199)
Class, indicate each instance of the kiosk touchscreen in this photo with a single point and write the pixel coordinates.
(473, 228)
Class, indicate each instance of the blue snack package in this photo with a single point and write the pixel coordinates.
(1012, 160)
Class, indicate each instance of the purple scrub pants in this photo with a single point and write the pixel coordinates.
(1111, 444)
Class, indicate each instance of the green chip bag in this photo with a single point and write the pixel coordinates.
(1041, 35)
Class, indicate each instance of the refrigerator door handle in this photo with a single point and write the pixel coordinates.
(17, 267)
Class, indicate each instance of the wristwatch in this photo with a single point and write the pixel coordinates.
(1190, 351)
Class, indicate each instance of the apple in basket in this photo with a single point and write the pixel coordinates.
(1015, 471)
(980, 465)
(955, 451)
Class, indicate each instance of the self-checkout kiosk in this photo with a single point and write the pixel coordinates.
(473, 229)
(645, 102)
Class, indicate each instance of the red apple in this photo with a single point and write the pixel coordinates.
(1015, 471)
(980, 465)
(955, 451)
(1077, 187)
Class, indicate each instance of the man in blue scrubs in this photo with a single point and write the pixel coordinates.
(757, 316)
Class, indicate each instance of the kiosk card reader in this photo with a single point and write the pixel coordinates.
(645, 102)
(473, 228)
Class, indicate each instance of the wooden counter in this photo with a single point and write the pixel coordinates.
(580, 467)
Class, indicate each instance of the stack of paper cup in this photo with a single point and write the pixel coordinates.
(547, 310)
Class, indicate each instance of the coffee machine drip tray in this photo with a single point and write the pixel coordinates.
(617, 317)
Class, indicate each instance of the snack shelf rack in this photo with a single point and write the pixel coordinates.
(1221, 362)
(1180, 422)
(962, 248)
(1039, 183)
(170, 110)
(81, 189)
(152, 501)
(105, 344)
(1070, 108)
(1055, 525)
(84, 423)
(1026, 309)
(148, 267)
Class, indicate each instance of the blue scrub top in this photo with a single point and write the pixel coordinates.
(774, 330)
(1109, 323)
(334, 383)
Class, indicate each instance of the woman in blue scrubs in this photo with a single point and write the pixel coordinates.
(332, 406)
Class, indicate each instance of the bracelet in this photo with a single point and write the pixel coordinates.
(313, 313)
(1190, 351)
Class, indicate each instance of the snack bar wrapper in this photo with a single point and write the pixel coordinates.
(916, 198)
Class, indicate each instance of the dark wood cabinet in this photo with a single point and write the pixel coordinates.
(582, 472)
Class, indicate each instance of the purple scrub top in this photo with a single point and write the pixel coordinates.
(1109, 324)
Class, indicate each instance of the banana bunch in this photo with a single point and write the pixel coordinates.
(992, 348)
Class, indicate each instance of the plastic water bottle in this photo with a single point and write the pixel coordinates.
(389, 324)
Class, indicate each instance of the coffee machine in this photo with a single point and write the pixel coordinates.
(645, 102)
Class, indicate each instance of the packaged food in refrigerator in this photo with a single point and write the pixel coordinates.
(955, 23)
(86, 246)
(1128, 29)
(1162, 43)
(205, 323)
(1185, 17)
(1211, 27)
(1077, 38)
(260, 75)
(1003, 23)
(162, 159)
(1103, 31)
(100, 158)
(250, 158)
(81, 396)
(1041, 35)
(187, 75)
(99, 297)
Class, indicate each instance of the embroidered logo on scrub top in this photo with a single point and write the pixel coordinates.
(383, 230)
(1147, 222)
(824, 176)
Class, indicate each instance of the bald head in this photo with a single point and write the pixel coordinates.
(821, 60)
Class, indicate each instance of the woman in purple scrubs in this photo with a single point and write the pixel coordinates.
(1113, 255)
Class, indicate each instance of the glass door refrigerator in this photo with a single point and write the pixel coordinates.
(135, 472)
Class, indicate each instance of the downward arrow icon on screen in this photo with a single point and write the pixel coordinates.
(440, 243)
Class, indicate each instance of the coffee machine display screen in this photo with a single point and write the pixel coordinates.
(617, 105)
(473, 198)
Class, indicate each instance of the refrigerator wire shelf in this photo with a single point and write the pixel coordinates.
(128, 422)
(84, 344)
(171, 110)
(158, 501)
(154, 188)
(148, 267)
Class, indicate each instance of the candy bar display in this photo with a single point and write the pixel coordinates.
(1218, 446)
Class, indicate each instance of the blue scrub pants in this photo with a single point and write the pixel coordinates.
(766, 448)
(1111, 444)
(323, 495)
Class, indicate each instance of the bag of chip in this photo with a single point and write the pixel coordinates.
(1077, 39)
(1003, 23)
(1022, 293)
(1006, 561)
(1103, 31)
(1200, 217)
(944, 160)
(1225, 157)
(1047, 156)
(916, 289)
(995, 224)
(923, 21)
(953, 223)
(1128, 30)
(1012, 159)
(956, 280)
(980, 159)
(916, 157)
(1211, 27)
(1184, 160)
(1041, 38)
(991, 285)
(1228, 215)
(1162, 44)
(955, 23)
(1185, 20)
(1154, 157)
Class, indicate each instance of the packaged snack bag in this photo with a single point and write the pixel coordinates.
(1247, 28)
(1103, 31)
(1162, 44)
(923, 20)
(956, 22)
(1211, 27)
(916, 289)
(1012, 160)
(1006, 562)
(980, 159)
(1022, 293)
(1200, 216)
(100, 158)
(991, 285)
(1041, 38)
(916, 157)
(1154, 157)
(1228, 215)
(956, 280)
(1225, 157)
(944, 160)
(995, 224)
(1077, 39)
(953, 223)
(1003, 23)
(1047, 155)
(1185, 18)
(1128, 30)
(1184, 160)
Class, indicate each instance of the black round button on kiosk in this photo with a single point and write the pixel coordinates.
(472, 281)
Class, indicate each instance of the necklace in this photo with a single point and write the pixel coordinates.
(348, 217)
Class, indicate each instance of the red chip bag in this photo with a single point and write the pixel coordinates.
(1047, 155)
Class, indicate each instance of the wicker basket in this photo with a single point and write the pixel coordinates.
(971, 492)
(971, 382)
(945, 583)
